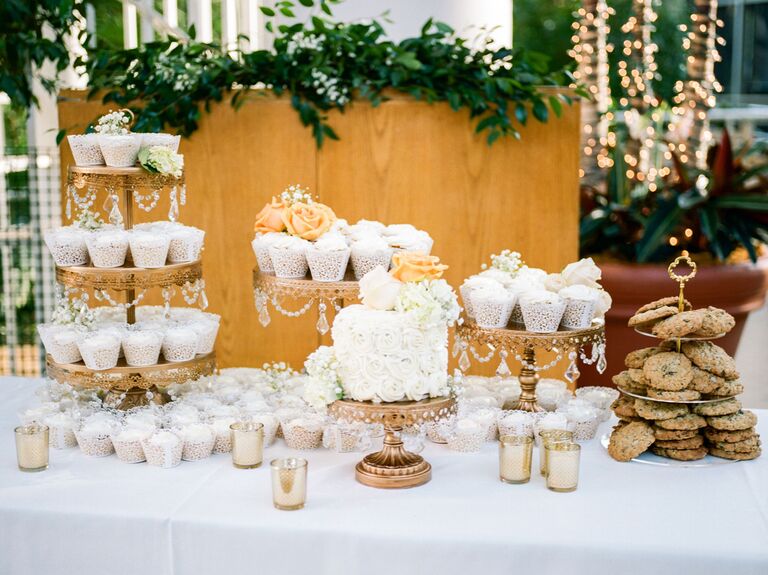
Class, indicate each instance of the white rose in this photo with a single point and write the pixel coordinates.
(379, 290)
(604, 303)
(554, 283)
(390, 390)
(582, 272)
(388, 340)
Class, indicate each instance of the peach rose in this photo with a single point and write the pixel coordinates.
(269, 219)
(414, 267)
(308, 221)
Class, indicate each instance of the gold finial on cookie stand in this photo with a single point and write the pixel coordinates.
(522, 345)
(126, 386)
(393, 467)
(682, 280)
(270, 289)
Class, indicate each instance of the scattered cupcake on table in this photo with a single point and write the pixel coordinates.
(297, 237)
(509, 293)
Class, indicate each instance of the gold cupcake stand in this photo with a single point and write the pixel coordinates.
(128, 386)
(270, 289)
(523, 345)
(393, 467)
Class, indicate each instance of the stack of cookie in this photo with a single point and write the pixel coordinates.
(678, 427)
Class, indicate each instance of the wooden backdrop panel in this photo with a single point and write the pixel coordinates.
(404, 161)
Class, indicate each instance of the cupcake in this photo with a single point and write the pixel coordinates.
(411, 241)
(492, 305)
(142, 347)
(86, 150)
(370, 253)
(328, 258)
(149, 249)
(206, 329)
(127, 443)
(580, 304)
(107, 248)
(261, 244)
(120, 151)
(61, 430)
(289, 258)
(600, 397)
(487, 417)
(61, 342)
(180, 344)
(515, 422)
(181, 414)
(94, 437)
(270, 424)
(142, 417)
(67, 246)
(304, 432)
(467, 435)
(223, 434)
(549, 398)
(542, 311)
(100, 350)
(583, 418)
(470, 284)
(549, 421)
(185, 245)
(199, 439)
(170, 141)
(163, 449)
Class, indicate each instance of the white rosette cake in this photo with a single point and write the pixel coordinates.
(393, 347)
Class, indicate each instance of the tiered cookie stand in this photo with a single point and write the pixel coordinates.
(522, 345)
(127, 386)
(393, 467)
(269, 289)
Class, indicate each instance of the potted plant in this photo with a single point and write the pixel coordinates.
(718, 214)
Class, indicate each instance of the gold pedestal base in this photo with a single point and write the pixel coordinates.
(393, 467)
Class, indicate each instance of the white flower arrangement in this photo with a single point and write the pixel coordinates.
(323, 386)
(430, 302)
(162, 160)
(114, 123)
(87, 220)
(295, 194)
(277, 373)
(72, 312)
(507, 261)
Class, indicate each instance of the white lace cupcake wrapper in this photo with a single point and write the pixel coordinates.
(492, 313)
(289, 263)
(129, 451)
(578, 313)
(327, 266)
(542, 317)
(363, 262)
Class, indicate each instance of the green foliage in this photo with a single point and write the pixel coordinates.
(724, 207)
(31, 34)
(323, 65)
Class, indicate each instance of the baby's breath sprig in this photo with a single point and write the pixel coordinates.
(507, 261)
(295, 194)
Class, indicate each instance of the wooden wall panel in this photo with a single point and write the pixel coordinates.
(404, 161)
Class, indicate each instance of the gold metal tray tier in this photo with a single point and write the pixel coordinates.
(276, 287)
(111, 178)
(393, 467)
(511, 338)
(126, 378)
(125, 278)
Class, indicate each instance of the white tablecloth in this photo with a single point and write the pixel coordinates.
(100, 516)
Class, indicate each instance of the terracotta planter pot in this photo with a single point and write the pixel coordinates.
(738, 289)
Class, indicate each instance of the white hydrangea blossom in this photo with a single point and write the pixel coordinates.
(430, 302)
(87, 220)
(162, 160)
(323, 386)
(507, 261)
(113, 124)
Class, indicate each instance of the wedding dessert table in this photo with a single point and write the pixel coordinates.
(98, 515)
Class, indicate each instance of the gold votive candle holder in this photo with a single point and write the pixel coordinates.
(551, 435)
(289, 483)
(247, 444)
(563, 466)
(32, 447)
(515, 454)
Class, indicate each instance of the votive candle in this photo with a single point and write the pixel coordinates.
(247, 444)
(32, 447)
(563, 466)
(553, 435)
(289, 483)
(515, 454)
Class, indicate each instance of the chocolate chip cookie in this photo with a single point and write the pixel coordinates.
(715, 435)
(651, 316)
(743, 446)
(715, 321)
(659, 411)
(684, 395)
(673, 435)
(636, 359)
(728, 388)
(630, 441)
(668, 371)
(736, 455)
(705, 382)
(687, 421)
(665, 301)
(694, 442)
(681, 454)
(711, 357)
(731, 422)
(624, 407)
(720, 408)
(679, 325)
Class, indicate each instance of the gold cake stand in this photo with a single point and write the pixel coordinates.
(268, 288)
(127, 188)
(393, 467)
(523, 345)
